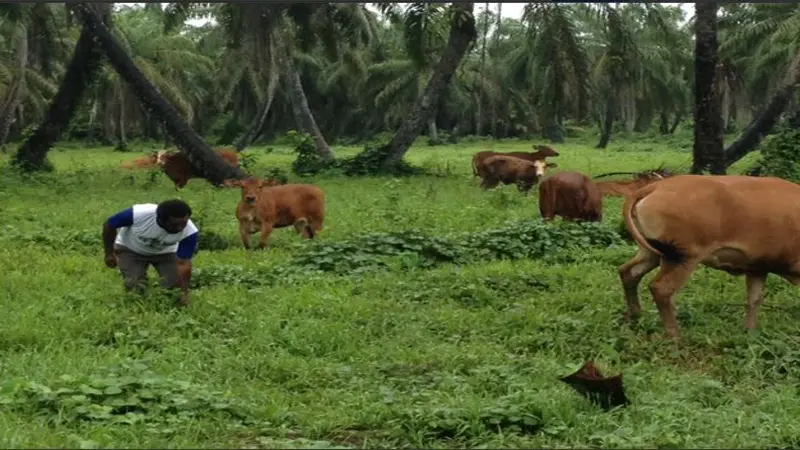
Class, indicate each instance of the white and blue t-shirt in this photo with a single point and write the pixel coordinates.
(139, 231)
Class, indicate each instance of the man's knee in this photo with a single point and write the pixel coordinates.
(135, 284)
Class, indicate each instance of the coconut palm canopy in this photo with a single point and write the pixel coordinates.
(349, 72)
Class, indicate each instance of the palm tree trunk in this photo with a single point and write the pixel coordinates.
(479, 105)
(300, 109)
(608, 121)
(122, 144)
(708, 151)
(764, 121)
(202, 157)
(663, 123)
(8, 107)
(80, 72)
(677, 121)
(462, 33)
(258, 122)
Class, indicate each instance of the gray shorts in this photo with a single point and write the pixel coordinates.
(133, 267)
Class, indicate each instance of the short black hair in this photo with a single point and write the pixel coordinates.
(173, 208)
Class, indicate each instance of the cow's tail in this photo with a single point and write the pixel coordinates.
(628, 213)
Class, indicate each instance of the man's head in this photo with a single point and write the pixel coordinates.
(173, 215)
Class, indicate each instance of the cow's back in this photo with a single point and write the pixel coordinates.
(760, 216)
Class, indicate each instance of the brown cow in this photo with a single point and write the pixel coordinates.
(479, 159)
(179, 170)
(622, 188)
(145, 162)
(265, 206)
(571, 195)
(737, 224)
(508, 170)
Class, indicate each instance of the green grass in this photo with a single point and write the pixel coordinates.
(402, 355)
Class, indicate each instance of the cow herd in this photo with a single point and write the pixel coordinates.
(742, 225)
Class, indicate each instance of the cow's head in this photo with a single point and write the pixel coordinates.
(251, 188)
(160, 157)
(545, 151)
(540, 166)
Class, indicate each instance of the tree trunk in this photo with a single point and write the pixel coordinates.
(764, 121)
(300, 109)
(207, 163)
(608, 121)
(462, 33)
(258, 122)
(677, 121)
(433, 132)
(122, 144)
(479, 106)
(708, 151)
(663, 124)
(80, 72)
(494, 73)
(16, 90)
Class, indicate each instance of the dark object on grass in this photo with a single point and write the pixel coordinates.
(606, 392)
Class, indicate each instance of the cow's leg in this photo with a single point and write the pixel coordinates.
(755, 297)
(245, 235)
(631, 274)
(266, 230)
(668, 282)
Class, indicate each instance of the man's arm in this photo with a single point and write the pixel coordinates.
(187, 248)
(121, 219)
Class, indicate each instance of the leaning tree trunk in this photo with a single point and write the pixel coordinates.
(708, 151)
(8, 108)
(764, 122)
(202, 157)
(302, 112)
(257, 124)
(462, 33)
(80, 72)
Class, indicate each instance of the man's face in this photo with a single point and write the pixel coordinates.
(174, 224)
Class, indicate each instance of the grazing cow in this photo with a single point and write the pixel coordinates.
(508, 170)
(571, 195)
(266, 205)
(479, 159)
(179, 170)
(145, 162)
(623, 188)
(738, 224)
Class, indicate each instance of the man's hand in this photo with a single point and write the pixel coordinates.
(111, 260)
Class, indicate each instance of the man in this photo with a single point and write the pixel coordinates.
(161, 235)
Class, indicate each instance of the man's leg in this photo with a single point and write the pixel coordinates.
(167, 267)
(133, 268)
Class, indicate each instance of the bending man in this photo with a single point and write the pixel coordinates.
(161, 235)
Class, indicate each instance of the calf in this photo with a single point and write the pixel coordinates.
(508, 170)
(265, 206)
(479, 159)
(738, 224)
(571, 195)
(178, 168)
(151, 160)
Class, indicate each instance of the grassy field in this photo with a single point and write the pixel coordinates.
(350, 342)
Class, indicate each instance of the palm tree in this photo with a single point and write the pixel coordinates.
(205, 160)
(763, 39)
(81, 70)
(708, 132)
(462, 34)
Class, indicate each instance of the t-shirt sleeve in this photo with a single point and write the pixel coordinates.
(188, 246)
(123, 218)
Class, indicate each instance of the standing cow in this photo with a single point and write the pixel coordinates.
(571, 195)
(479, 159)
(738, 224)
(511, 170)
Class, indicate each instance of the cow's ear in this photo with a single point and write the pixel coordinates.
(232, 183)
(551, 165)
